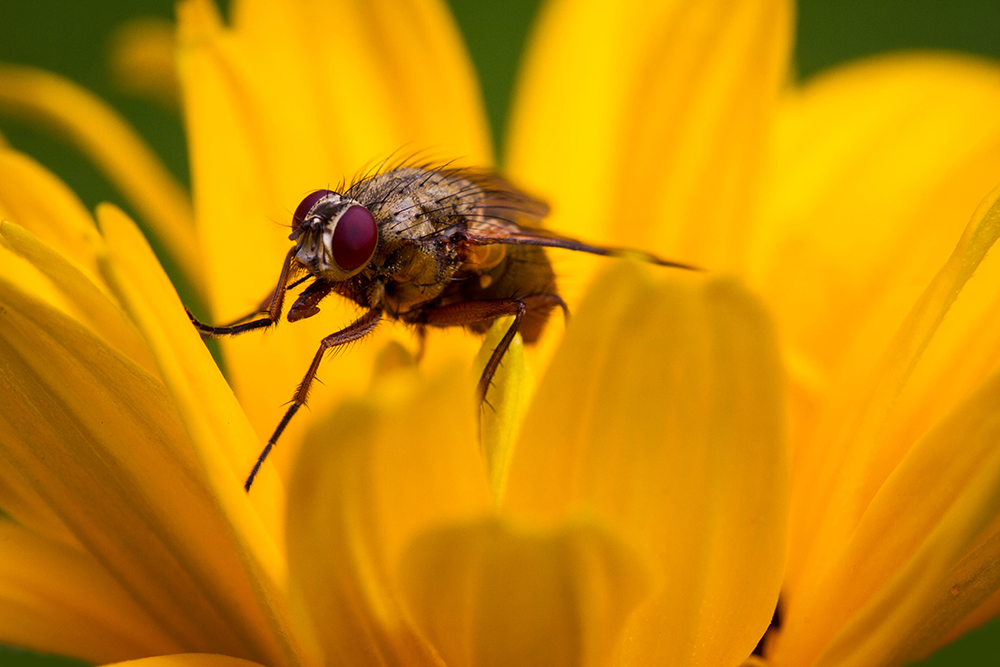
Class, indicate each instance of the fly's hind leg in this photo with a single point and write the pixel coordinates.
(477, 312)
(421, 341)
(352, 332)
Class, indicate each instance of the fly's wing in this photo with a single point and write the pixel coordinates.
(504, 204)
(508, 216)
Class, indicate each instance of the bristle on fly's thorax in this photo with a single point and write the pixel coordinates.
(417, 202)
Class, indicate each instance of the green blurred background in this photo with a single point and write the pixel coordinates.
(70, 37)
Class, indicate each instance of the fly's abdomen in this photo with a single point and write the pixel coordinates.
(525, 271)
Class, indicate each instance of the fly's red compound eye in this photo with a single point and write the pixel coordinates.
(302, 210)
(355, 238)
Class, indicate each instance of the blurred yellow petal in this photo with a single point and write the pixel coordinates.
(662, 417)
(100, 441)
(411, 86)
(858, 216)
(667, 104)
(857, 219)
(842, 467)
(59, 600)
(959, 357)
(189, 660)
(369, 479)
(890, 593)
(144, 59)
(115, 147)
(488, 594)
(972, 577)
(988, 577)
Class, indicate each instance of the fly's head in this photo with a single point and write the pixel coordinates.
(335, 236)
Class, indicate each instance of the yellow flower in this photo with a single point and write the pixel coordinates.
(647, 508)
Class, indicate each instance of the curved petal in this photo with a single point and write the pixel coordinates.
(370, 478)
(984, 613)
(922, 557)
(189, 660)
(228, 446)
(875, 169)
(220, 436)
(34, 198)
(92, 304)
(836, 481)
(100, 441)
(668, 104)
(103, 135)
(488, 594)
(59, 600)
(662, 418)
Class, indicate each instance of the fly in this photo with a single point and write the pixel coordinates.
(430, 247)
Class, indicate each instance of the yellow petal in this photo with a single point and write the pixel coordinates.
(488, 594)
(144, 59)
(874, 172)
(222, 441)
(32, 197)
(100, 441)
(412, 86)
(960, 357)
(37, 200)
(506, 403)
(983, 614)
(92, 303)
(22, 503)
(973, 577)
(18, 271)
(149, 298)
(189, 660)
(104, 136)
(836, 481)
(369, 478)
(667, 103)
(662, 418)
(917, 563)
(56, 599)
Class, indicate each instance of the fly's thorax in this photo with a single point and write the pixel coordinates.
(415, 204)
(414, 274)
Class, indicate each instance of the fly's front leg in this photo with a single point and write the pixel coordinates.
(274, 305)
(352, 332)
